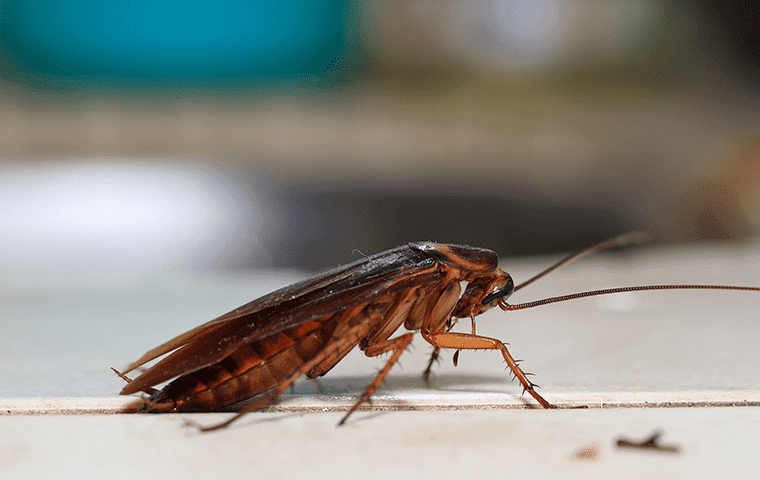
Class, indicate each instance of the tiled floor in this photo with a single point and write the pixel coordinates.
(59, 335)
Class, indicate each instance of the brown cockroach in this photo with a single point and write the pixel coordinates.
(260, 349)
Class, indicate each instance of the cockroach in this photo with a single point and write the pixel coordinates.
(259, 350)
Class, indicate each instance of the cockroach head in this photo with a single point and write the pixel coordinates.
(503, 292)
(482, 292)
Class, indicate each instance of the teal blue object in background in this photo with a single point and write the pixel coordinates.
(245, 40)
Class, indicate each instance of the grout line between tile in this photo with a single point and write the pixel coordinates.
(406, 402)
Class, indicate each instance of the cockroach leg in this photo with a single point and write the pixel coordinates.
(397, 345)
(455, 359)
(263, 402)
(466, 341)
(433, 360)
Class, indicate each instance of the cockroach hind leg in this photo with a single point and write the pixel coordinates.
(363, 398)
(191, 424)
(397, 345)
(262, 403)
(203, 429)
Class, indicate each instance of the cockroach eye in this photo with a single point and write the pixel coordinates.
(505, 292)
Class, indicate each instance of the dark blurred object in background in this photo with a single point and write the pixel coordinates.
(723, 204)
(338, 222)
(300, 131)
(737, 35)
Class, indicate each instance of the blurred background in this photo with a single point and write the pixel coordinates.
(143, 136)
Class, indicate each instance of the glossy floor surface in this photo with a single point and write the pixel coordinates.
(693, 351)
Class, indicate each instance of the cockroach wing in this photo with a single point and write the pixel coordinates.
(291, 292)
(344, 287)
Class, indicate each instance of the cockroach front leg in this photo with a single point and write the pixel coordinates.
(437, 352)
(467, 341)
(397, 345)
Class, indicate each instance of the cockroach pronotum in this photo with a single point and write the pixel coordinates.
(259, 350)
